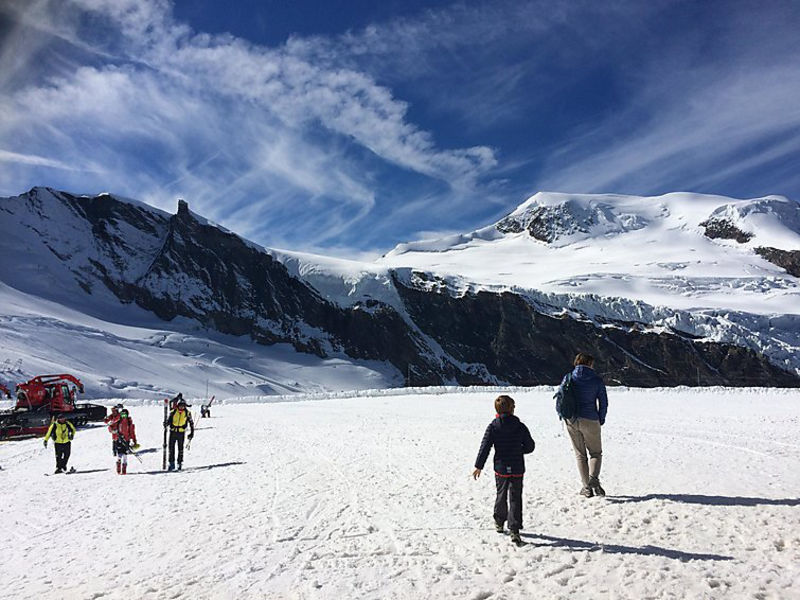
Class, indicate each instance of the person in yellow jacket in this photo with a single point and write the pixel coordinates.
(61, 432)
(177, 421)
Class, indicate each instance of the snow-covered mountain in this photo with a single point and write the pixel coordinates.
(677, 289)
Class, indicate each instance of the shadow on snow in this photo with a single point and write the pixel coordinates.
(147, 451)
(556, 542)
(708, 500)
(190, 469)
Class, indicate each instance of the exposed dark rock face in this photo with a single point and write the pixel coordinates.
(786, 259)
(526, 347)
(207, 274)
(724, 229)
(181, 266)
(548, 223)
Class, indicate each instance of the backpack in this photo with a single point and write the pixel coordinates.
(567, 400)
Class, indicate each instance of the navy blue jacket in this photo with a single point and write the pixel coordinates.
(511, 439)
(591, 393)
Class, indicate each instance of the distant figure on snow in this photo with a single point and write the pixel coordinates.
(584, 429)
(177, 421)
(61, 432)
(111, 420)
(205, 409)
(511, 440)
(124, 440)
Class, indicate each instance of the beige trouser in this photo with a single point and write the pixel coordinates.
(585, 436)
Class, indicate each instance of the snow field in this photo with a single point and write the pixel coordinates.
(372, 498)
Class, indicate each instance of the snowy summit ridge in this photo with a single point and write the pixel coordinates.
(680, 251)
(677, 289)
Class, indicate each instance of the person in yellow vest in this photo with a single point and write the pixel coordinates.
(61, 432)
(177, 421)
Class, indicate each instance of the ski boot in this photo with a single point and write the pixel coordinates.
(124, 468)
(119, 467)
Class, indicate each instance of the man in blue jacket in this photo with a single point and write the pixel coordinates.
(511, 440)
(584, 430)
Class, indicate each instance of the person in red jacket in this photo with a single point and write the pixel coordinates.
(112, 420)
(125, 440)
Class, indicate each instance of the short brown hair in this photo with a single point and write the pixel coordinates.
(583, 359)
(504, 405)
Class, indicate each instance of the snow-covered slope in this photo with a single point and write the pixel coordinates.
(152, 359)
(668, 290)
(654, 250)
(690, 263)
(372, 498)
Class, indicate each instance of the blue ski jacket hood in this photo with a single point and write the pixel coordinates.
(591, 393)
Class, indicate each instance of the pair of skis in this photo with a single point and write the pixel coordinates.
(166, 429)
(129, 448)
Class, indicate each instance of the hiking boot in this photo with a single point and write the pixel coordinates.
(498, 527)
(171, 467)
(180, 466)
(515, 537)
(587, 491)
(594, 483)
(57, 471)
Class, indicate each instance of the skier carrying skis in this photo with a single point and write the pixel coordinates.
(205, 409)
(511, 440)
(125, 440)
(62, 432)
(112, 420)
(177, 421)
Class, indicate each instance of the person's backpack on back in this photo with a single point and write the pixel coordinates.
(567, 400)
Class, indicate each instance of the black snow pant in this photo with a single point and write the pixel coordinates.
(508, 504)
(121, 447)
(176, 437)
(62, 455)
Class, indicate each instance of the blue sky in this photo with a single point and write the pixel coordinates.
(348, 127)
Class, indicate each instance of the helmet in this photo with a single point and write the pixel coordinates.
(61, 416)
(118, 406)
(182, 402)
(123, 412)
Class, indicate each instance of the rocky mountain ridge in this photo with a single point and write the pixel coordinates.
(431, 331)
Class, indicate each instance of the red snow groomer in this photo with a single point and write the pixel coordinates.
(42, 398)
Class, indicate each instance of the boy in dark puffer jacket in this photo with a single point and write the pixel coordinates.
(511, 440)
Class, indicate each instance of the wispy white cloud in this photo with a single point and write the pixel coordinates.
(694, 136)
(40, 161)
(245, 132)
(348, 140)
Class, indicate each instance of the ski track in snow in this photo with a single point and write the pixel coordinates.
(371, 497)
